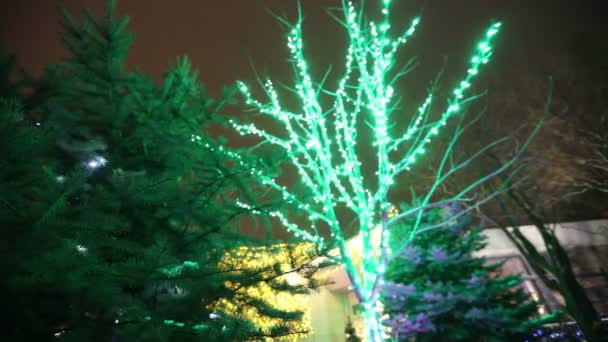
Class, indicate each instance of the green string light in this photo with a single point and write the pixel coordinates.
(325, 153)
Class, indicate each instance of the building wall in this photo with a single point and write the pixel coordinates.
(328, 315)
(571, 235)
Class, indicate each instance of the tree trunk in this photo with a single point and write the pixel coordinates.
(580, 307)
(371, 321)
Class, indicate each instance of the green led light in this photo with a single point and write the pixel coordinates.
(323, 147)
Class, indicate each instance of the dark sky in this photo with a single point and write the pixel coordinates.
(221, 36)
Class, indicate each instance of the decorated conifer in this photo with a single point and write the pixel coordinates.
(29, 197)
(438, 291)
(121, 220)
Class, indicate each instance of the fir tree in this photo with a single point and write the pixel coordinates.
(29, 198)
(136, 208)
(437, 291)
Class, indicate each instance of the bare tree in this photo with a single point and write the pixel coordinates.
(325, 145)
(555, 268)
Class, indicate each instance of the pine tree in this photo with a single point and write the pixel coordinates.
(136, 206)
(29, 199)
(437, 291)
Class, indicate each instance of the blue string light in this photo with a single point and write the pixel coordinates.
(568, 334)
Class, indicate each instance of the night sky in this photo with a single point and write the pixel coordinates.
(224, 38)
(221, 37)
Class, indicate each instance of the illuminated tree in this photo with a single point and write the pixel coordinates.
(437, 290)
(295, 262)
(27, 198)
(117, 206)
(323, 145)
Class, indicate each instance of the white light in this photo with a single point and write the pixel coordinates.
(96, 162)
(81, 249)
(294, 279)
